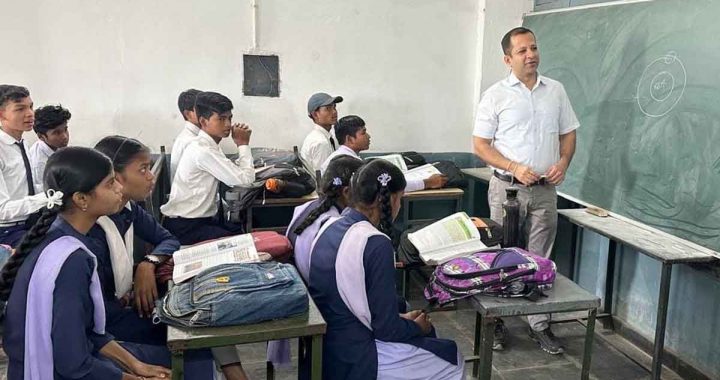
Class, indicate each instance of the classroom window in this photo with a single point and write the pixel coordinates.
(261, 75)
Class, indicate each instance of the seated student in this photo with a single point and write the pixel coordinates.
(352, 277)
(192, 205)
(112, 243)
(352, 134)
(309, 217)
(186, 104)
(51, 127)
(319, 143)
(18, 196)
(52, 277)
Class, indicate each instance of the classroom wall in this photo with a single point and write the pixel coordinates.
(407, 66)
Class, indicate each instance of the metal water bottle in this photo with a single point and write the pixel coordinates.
(511, 218)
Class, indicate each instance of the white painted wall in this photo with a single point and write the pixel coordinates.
(407, 66)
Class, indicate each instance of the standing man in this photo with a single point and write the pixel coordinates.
(525, 129)
(319, 143)
(18, 198)
(51, 128)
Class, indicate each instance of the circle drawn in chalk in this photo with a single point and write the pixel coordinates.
(661, 85)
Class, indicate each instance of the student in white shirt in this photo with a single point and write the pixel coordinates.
(190, 212)
(319, 143)
(352, 134)
(18, 198)
(186, 104)
(51, 128)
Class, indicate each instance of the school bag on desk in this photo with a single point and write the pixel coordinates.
(234, 294)
(508, 272)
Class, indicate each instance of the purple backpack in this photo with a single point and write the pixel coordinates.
(509, 272)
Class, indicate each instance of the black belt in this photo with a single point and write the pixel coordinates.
(514, 180)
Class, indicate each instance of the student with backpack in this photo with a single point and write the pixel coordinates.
(352, 276)
(55, 323)
(191, 212)
(130, 298)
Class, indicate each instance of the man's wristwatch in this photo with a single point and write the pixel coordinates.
(153, 259)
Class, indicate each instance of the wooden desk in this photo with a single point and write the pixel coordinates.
(452, 194)
(275, 202)
(565, 296)
(665, 248)
(311, 324)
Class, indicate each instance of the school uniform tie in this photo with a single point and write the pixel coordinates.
(332, 142)
(28, 170)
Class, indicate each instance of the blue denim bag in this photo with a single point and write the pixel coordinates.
(234, 294)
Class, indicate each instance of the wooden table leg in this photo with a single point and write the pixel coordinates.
(316, 369)
(589, 335)
(177, 365)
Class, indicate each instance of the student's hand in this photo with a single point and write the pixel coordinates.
(149, 371)
(436, 181)
(525, 175)
(410, 316)
(423, 320)
(556, 173)
(145, 288)
(241, 134)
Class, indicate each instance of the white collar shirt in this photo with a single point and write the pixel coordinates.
(188, 134)
(38, 155)
(316, 148)
(15, 203)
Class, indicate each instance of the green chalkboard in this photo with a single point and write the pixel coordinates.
(644, 80)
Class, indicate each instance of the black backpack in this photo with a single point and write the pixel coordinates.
(456, 178)
(490, 235)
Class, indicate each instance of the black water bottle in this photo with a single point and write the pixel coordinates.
(511, 218)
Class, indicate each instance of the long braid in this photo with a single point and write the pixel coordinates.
(385, 211)
(327, 203)
(29, 241)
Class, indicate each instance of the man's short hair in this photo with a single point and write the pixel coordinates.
(348, 126)
(507, 44)
(207, 103)
(186, 100)
(9, 92)
(50, 117)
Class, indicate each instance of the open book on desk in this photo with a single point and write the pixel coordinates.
(421, 173)
(192, 260)
(446, 239)
(395, 159)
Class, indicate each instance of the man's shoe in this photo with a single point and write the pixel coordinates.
(546, 340)
(500, 335)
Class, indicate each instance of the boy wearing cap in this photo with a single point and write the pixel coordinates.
(319, 143)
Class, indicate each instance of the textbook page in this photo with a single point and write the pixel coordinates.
(394, 159)
(193, 260)
(421, 173)
(447, 238)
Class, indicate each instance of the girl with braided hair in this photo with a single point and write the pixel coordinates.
(309, 217)
(55, 316)
(353, 286)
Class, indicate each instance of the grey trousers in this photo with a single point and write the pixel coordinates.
(538, 223)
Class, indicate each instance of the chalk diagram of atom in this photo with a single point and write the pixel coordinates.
(661, 85)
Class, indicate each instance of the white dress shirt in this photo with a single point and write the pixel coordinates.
(316, 148)
(15, 203)
(412, 185)
(526, 125)
(188, 134)
(195, 186)
(38, 155)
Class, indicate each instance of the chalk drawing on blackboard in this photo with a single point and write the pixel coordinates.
(661, 85)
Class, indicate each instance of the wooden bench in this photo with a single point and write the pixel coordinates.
(310, 325)
(669, 250)
(565, 296)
